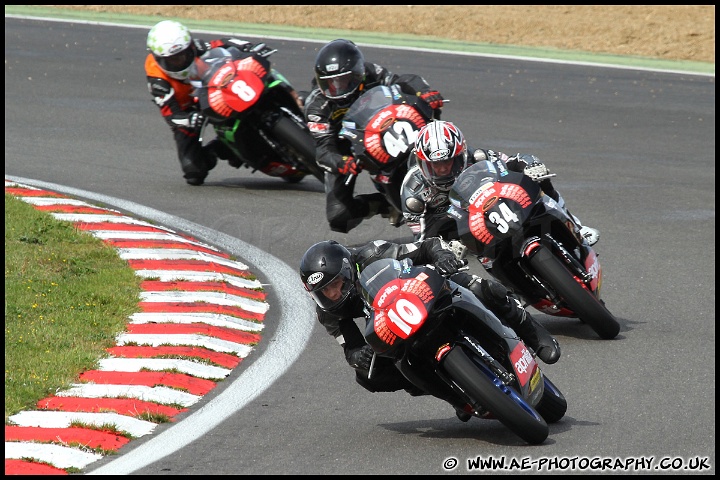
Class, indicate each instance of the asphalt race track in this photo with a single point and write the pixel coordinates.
(634, 152)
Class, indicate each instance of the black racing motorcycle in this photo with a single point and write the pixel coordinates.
(449, 345)
(381, 126)
(255, 112)
(529, 243)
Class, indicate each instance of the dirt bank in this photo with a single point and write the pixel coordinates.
(674, 32)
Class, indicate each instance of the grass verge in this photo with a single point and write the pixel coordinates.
(67, 296)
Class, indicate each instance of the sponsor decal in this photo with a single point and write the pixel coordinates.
(381, 328)
(223, 76)
(439, 199)
(441, 154)
(339, 113)
(380, 119)
(318, 127)
(315, 278)
(388, 290)
(523, 363)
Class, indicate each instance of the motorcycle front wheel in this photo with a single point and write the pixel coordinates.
(580, 300)
(301, 141)
(483, 387)
(552, 406)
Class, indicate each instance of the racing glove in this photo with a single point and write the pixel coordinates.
(193, 121)
(262, 50)
(449, 265)
(349, 166)
(433, 98)
(360, 358)
(537, 171)
(242, 45)
(519, 161)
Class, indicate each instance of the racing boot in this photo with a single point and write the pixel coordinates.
(223, 152)
(510, 311)
(536, 337)
(377, 204)
(591, 235)
(386, 210)
(462, 413)
(395, 217)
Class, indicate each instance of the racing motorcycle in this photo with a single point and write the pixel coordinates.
(530, 243)
(381, 127)
(449, 345)
(253, 108)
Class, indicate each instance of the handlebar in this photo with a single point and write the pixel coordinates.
(262, 50)
(372, 364)
(545, 177)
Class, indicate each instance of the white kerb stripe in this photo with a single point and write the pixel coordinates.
(58, 456)
(216, 298)
(159, 394)
(53, 419)
(46, 201)
(210, 343)
(133, 235)
(215, 319)
(97, 218)
(176, 254)
(193, 276)
(189, 367)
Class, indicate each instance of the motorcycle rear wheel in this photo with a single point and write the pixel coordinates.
(300, 140)
(580, 300)
(502, 401)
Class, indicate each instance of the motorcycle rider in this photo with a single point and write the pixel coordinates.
(329, 272)
(341, 76)
(168, 65)
(440, 155)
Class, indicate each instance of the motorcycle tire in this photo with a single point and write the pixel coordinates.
(552, 406)
(580, 300)
(290, 133)
(503, 402)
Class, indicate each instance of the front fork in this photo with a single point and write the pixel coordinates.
(531, 245)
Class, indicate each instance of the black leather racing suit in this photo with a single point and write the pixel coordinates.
(343, 209)
(341, 325)
(424, 205)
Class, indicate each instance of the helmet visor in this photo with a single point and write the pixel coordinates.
(442, 173)
(333, 293)
(441, 168)
(339, 86)
(178, 62)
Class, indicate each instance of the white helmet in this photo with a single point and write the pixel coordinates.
(172, 46)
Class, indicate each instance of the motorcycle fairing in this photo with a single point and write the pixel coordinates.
(241, 91)
(382, 126)
(401, 297)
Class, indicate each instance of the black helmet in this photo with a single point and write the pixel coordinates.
(339, 70)
(324, 263)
